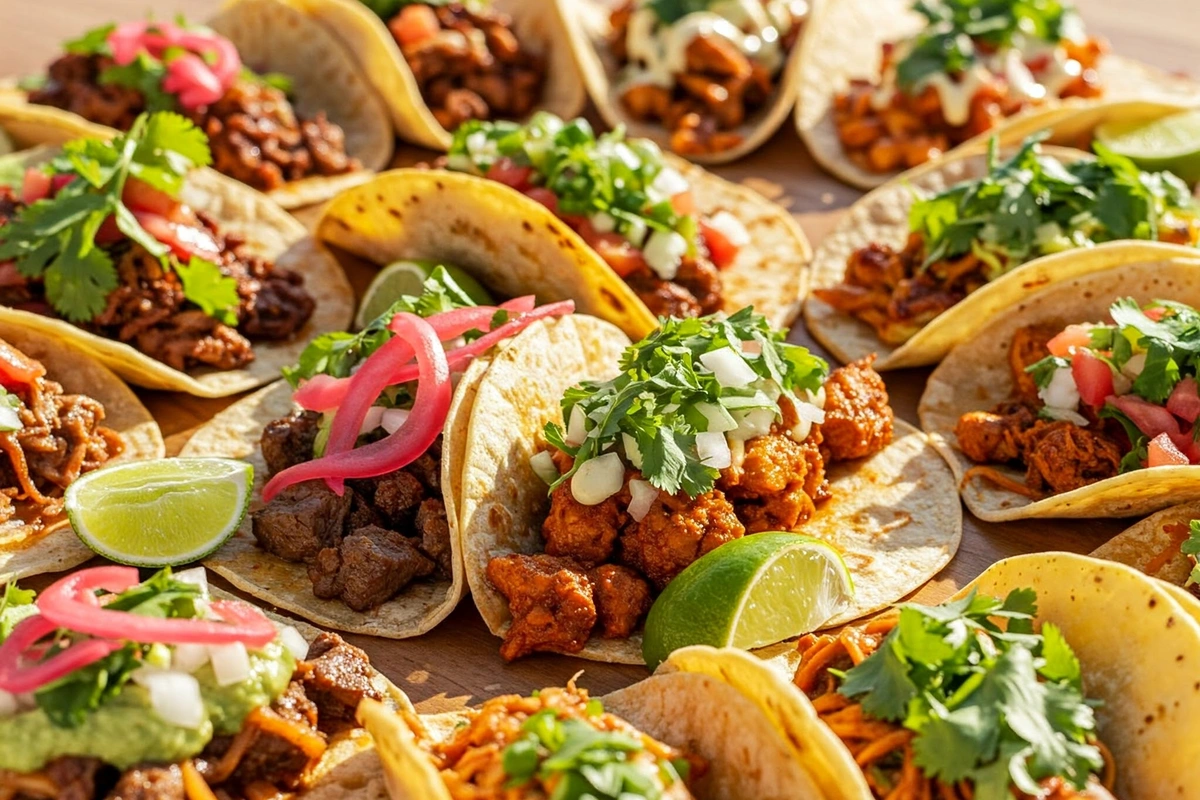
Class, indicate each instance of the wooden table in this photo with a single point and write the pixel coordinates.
(458, 663)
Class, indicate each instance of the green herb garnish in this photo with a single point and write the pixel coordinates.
(1191, 547)
(15, 605)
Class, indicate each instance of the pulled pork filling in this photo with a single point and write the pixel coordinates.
(1058, 456)
(718, 87)
(253, 130)
(148, 309)
(367, 545)
(275, 752)
(601, 568)
(60, 438)
(468, 63)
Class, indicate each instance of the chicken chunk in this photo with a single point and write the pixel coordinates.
(551, 601)
(676, 531)
(622, 599)
(994, 437)
(778, 482)
(585, 533)
(858, 419)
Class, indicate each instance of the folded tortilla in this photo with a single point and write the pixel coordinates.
(843, 42)
(368, 40)
(516, 246)
(976, 377)
(269, 231)
(1148, 548)
(894, 516)
(56, 547)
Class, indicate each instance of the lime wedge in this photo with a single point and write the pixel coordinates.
(408, 277)
(1171, 143)
(160, 513)
(749, 593)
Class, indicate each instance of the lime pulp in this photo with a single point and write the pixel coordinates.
(1170, 143)
(407, 277)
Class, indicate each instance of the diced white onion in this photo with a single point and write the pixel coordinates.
(603, 223)
(189, 657)
(807, 415)
(8, 704)
(730, 227)
(669, 182)
(753, 422)
(230, 663)
(393, 419)
(576, 426)
(294, 641)
(642, 495)
(719, 420)
(598, 479)
(174, 696)
(543, 466)
(1121, 384)
(460, 162)
(197, 576)
(731, 369)
(635, 231)
(1061, 391)
(713, 450)
(1134, 366)
(817, 398)
(1070, 415)
(371, 420)
(664, 252)
(737, 452)
(632, 451)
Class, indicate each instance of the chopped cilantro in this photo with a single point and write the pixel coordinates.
(1191, 547)
(205, 285)
(671, 11)
(1042, 371)
(15, 605)
(10, 418)
(990, 701)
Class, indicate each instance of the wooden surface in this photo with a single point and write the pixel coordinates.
(458, 663)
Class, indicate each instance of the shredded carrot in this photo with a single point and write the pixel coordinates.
(1178, 532)
(194, 785)
(1003, 481)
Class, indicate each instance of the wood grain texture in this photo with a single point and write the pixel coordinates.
(458, 663)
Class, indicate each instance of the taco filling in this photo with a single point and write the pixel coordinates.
(111, 688)
(971, 66)
(466, 58)
(47, 440)
(99, 237)
(356, 492)
(1027, 206)
(958, 701)
(701, 69)
(715, 429)
(114, 73)
(1092, 401)
(635, 210)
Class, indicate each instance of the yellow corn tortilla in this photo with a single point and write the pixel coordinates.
(515, 245)
(722, 705)
(843, 43)
(1144, 544)
(366, 37)
(893, 516)
(589, 29)
(269, 232)
(976, 377)
(55, 548)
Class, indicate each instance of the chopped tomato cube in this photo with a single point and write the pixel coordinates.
(108, 232)
(1162, 452)
(544, 196)
(1093, 377)
(721, 251)
(616, 251)
(18, 370)
(57, 182)
(141, 196)
(1155, 314)
(510, 174)
(415, 23)
(684, 204)
(185, 241)
(36, 186)
(1073, 336)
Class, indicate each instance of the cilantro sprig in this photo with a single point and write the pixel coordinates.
(15, 605)
(1032, 204)
(1191, 547)
(990, 701)
(658, 398)
(54, 239)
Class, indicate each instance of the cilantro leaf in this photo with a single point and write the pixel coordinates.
(1191, 547)
(15, 605)
(212, 290)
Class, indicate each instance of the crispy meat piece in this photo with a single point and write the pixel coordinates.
(66, 778)
(149, 782)
(73, 83)
(676, 531)
(1063, 456)
(434, 529)
(858, 419)
(995, 437)
(587, 534)
(289, 441)
(301, 521)
(778, 482)
(376, 564)
(622, 599)
(1028, 347)
(398, 496)
(336, 677)
(695, 291)
(551, 601)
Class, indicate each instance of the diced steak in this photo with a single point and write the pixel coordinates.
(397, 497)
(325, 574)
(289, 441)
(149, 782)
(336, 677)
(435, 534)
(376, 564)
(301, 521)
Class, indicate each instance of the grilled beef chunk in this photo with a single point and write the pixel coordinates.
(289, 441)
(303, 520)
(376, 564)
(149, 782)
(336, 677)
(397, 497)
(435, 534)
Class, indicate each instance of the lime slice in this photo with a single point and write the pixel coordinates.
(408, 277)
(160, 513)
(749, 593)
(1170, 143)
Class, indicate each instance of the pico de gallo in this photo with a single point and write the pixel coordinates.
(1094, 400)
(1029, 205)
(973, 64)
(99, 237)
(634, 209)
(355, 492)
(114, 73)
(702, 68)
(109, 684)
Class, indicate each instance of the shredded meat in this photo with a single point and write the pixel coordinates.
(551, 600)
(1028, 347)
(995, 437)
(694, 292)
(468, 62)
(1061, 456)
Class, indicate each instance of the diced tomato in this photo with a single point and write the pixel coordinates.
(721, 251)
(141, 196)
(1093, 377)
(1162, 452)
(58, 182)
(1077, 336)
(9, 276)
(684, 204)
(1184, 401)
(616, 251)
(108, 232)
(414, 23)
(510, 174)
(36, 186)
(185, 241)
(1156, 314)
(544, 196)
(18, 370)
(1149, 418)
(1039, 63)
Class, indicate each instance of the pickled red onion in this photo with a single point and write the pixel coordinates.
(198, 77)
(17, 678)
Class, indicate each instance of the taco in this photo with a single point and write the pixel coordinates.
(640, 234)
(886, 85)
(283, 104)
(709, 724)
(357, 460)
(709, 80)
(216, 700)
(172, 276)
(1078, 402)
(437, 64)
(733, 432)
(1163, 545)
(925, 261)
(61, 414)
(1014, 688)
